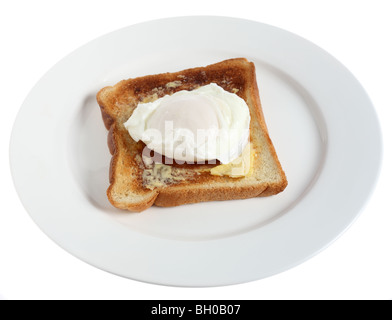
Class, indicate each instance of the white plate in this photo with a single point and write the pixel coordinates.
(320, 119)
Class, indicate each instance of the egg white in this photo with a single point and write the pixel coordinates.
(205, 124)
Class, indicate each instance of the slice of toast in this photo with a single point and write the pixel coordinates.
(187, 183)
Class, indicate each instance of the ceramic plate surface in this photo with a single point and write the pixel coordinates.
(321, 121)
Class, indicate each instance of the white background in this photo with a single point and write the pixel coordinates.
(36, 34)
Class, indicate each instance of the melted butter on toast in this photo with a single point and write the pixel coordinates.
(158, 175)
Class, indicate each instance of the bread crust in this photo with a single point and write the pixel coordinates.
(169, 198)
(234, 75)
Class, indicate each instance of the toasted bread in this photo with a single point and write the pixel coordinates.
(188, 183)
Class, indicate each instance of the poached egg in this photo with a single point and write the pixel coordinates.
(204, 124)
